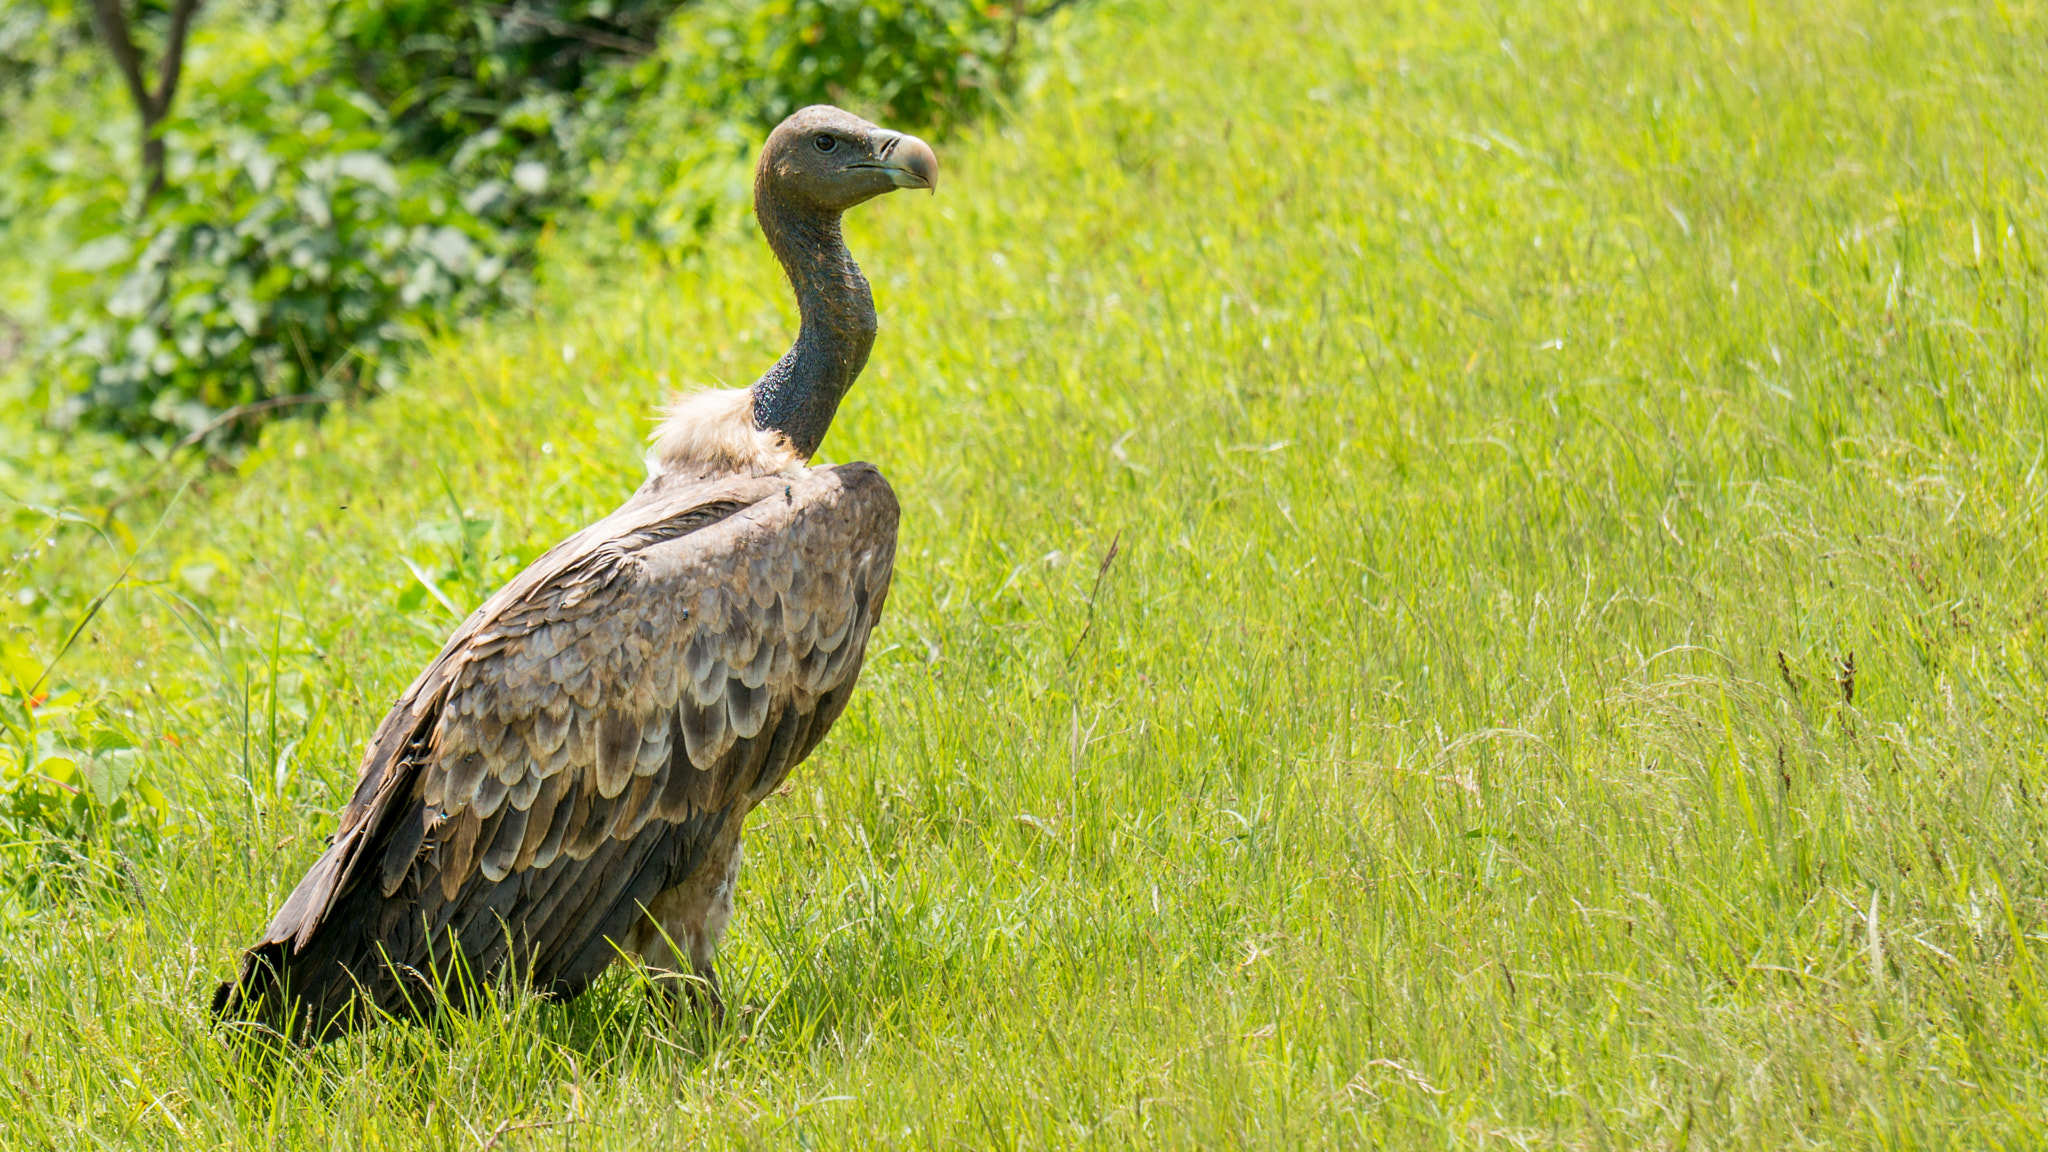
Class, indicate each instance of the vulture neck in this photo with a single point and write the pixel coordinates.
(799, 396)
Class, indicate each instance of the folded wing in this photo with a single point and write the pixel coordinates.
(580, 742)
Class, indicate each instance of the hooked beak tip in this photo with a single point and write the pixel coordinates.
(911, 163)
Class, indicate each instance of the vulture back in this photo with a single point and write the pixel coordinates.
(580, 743)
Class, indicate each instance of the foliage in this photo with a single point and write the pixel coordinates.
(286, 256)
(78, 802)
(340, 185)
(505, 96)
(923, 64)
(451, 71)
(34, 37)
(671, 171)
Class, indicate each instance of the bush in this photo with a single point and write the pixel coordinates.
(339, 185)
(34, 36)
(923, 64)
(674, 165)
(505, 97)
(288, 255)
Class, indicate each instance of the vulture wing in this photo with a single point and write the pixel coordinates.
(580, 742)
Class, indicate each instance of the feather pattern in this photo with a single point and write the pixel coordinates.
(580, 742)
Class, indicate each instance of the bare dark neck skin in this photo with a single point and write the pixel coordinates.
(799, 395)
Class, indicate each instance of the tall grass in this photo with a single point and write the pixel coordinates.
(1470, 577)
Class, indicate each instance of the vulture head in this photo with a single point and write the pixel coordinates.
(816, 164)
(829, 160)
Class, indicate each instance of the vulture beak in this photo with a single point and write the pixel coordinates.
(907, 161)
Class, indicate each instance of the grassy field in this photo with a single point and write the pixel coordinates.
(1470, 578)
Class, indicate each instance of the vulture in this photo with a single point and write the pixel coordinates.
(566, 783)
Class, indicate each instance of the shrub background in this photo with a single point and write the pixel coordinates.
(344, 177)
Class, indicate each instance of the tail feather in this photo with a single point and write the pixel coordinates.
(342, 955)
(336, 982)
(331, 961)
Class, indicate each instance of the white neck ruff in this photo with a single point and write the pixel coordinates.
(712, 433)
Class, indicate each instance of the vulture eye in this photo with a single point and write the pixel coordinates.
(826, 141)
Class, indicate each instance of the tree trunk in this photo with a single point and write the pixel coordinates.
(151, 106)
(152, 159)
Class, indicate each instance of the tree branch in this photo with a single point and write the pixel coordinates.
(113, 26)
(563, 28)
(151, 106)
(174, 55)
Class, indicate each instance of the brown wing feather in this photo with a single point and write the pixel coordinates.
(646, 680)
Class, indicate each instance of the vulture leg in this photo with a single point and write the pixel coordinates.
(678, 937)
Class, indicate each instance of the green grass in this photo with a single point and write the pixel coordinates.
(1570, 675)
